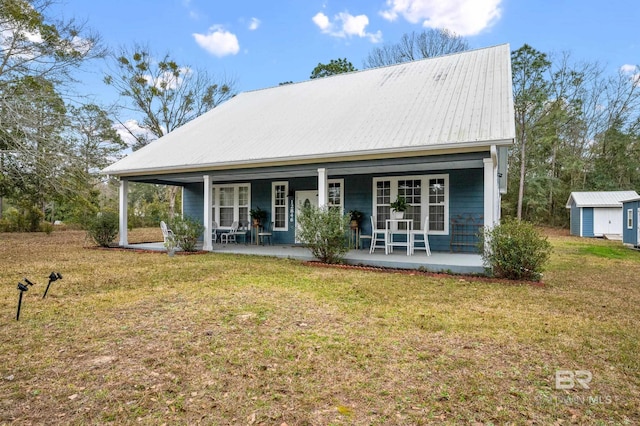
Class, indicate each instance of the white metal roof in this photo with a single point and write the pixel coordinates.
(600, 198)
(459, 100)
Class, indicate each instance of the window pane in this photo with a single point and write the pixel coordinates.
(414, 213)
(436, 191)
(243, 213)
(226, 196)
(243, 196)
(335, 191)
(280, 203)
(436, 218)
(226, 216)
(383, 192)
(382, 214)
(409, 190)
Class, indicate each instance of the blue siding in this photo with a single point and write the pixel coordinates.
(575, 219)
(630, 236)
(193, 201)
(466, 197)
(587, 222)
(358, 193)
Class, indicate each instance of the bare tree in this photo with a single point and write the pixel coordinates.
(413, 46)
(166, 94)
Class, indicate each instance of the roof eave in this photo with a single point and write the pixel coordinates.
(309, 159)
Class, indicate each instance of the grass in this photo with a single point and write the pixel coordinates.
(141, 338)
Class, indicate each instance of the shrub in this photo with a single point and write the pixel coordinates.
(324, 230)
(515, 250)
(46, 227)
(186, 232)
(27, 219)
(103, 228)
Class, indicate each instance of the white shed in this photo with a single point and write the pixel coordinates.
(596, 214)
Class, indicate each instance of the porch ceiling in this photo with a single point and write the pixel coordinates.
(468, 161)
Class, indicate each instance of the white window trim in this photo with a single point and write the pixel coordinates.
(286, 205)
(215, 202)
(629, 218)
(341, 182)
(424, 205)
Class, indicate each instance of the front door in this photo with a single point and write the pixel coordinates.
(305, 198)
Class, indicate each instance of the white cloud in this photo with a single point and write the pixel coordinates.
(168, 80)
(254, 24)
(218, 42)
(464, 17)
(346, 25)
(322, 21)
(633, 71)
(131, 127)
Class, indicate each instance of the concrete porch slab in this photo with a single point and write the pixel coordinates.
(457, 263)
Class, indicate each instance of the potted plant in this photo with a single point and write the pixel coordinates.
(258, 215)
(356, 217)
(398, 207)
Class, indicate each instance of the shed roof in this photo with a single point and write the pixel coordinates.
(459, 100)
(600, 198)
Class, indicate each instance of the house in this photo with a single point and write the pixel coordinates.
(596, 214)
(434, 131)
(631, 222)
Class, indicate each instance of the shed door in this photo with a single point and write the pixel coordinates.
(607, 221)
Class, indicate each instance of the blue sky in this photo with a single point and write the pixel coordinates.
(263, 43)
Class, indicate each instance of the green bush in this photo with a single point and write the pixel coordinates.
(27, 219)
(186, 232)
(103, 228)
(324, 230)
(46, 227)
(515, 250)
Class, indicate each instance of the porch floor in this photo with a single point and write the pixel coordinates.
(459, 263)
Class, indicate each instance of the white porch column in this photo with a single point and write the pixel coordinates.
(322, 187)
(124, 201)
(207, 243)
(490, 192)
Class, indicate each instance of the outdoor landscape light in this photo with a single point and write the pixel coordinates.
(28, 282)
(22, 288)
(54, 276)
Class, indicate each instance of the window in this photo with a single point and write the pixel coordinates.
(383, 201)
(434, 202)
(335, 196)
(410, 190)
(230, 203)
(629, 218)
(437, 204)
(279, 205)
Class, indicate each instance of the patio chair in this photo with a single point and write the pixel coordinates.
(425, 238)
(377, 235)
(166, 232)
(231, 235)
(214, 231)
(266, 233)
(241, 230)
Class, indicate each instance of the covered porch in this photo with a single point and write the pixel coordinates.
(457, 263)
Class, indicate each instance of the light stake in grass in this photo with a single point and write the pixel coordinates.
(22, 288)
(54, 276)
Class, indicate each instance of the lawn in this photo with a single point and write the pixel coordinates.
(142, 338)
